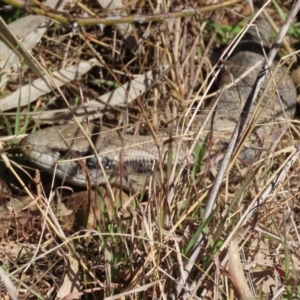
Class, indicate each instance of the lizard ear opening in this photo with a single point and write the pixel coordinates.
(107, 163)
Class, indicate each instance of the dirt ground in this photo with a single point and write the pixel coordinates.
(141, 66)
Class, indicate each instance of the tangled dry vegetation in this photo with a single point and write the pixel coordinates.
(107, 243)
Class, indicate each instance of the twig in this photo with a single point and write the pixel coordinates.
(63, 18)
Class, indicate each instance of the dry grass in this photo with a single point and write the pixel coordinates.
(109, 244)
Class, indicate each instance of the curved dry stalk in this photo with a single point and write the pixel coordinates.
(236, 271)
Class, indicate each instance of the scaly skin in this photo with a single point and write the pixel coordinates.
(134, 156)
